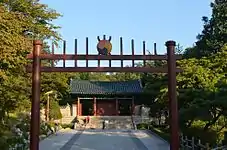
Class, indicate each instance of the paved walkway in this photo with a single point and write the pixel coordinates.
(103, 140)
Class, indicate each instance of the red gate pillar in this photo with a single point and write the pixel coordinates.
(78, 106)
(35, 110)
(172, 94)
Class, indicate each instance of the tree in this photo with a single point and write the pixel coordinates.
(39, 17)
(14, 47)
(57, 82)
(214, 34)
(20, 21)
(55, 112)
(200, 86)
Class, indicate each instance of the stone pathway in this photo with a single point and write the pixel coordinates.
(103, 140)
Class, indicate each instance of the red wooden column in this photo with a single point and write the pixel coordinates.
(78, 106)
(95, 106)
(172, 94)
(35, 110)
(117, 111)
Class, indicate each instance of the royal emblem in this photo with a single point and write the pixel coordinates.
(104, 46)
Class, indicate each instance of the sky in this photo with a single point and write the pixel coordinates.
(153, 21)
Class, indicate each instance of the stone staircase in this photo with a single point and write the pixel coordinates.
(139, 119)
(67, 120)
(114, 122)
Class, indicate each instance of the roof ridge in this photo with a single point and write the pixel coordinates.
(138, 80)
(99, 87)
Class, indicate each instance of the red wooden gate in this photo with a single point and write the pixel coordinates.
(36, 70)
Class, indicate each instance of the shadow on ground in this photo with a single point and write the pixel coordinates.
(105, 140)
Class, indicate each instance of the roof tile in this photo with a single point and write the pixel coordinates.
(105, 87)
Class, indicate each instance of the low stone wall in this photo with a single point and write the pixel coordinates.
(65, 111)
(68, 112)
(113, 122)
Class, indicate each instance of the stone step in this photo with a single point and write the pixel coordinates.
(67, 120)
(116, 122)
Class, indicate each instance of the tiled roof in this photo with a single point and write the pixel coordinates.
(105, 87)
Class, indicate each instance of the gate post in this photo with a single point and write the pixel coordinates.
(172, 95)
(35, 110)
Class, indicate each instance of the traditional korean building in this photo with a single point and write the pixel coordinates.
(104, 98)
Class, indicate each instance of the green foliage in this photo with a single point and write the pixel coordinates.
(21, 21)
(14, 47)
(214, 34)
(67, 126)
(55, 112)
(159, 130)
(106, 77)
(46, 128)
(162, 132)
(201, 87)
(4, 134)
(38, 18)
(198, 133)
(125, 76)
(142, 126)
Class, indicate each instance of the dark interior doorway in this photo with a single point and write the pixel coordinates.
(87, 107)
(125, 107)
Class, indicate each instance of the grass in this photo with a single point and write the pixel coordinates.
(195, 131)
(67, 126)
(162, 132)
(198, 133)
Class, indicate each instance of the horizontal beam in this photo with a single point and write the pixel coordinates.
(101, 57)
(99, 98)
(104, 69)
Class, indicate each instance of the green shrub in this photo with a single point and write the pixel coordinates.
(5, 134)
(142, 126)
(67, 126)
(209, 136)
(197, 130)
(45, 128)
(163, 132)
(55, 112)
(160, 130)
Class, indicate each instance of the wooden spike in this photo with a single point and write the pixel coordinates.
(144, 52)
(75, 48)
(52, 62)
(86, 51)
(110, 63)
(109, 60)
(121, 50)
(98, 62)
(64, 52)
(132, 46)
(155, 49)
